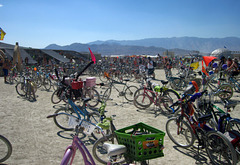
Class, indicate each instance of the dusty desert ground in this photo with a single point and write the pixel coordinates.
(36, 141)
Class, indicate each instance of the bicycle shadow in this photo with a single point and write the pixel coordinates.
(28, 99)
(154, 111)
(201, 157)
(68, 135)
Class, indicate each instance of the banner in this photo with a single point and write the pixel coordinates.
(2, 34)
(194, 65)
(92, 56)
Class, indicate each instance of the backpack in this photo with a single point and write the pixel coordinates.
(154, 64)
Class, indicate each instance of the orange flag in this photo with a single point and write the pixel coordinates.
(208, 59)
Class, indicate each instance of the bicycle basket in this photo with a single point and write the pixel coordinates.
(143, 142)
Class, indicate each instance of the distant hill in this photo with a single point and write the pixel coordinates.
(180, 45)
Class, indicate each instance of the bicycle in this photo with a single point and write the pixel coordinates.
(222, 121)
(127, 91)
(77, 144)
(222, 90)
(43, 79)
(183, 130)
(144, 97)
(5, 149)
(26, 87)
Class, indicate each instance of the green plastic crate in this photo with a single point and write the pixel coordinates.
(141, 146)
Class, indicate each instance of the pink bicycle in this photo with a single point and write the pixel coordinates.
(77, 144)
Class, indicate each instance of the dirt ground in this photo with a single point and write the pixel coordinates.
(36, 140)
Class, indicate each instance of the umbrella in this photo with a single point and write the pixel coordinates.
(17, 57)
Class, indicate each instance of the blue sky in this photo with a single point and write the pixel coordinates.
(38, 23)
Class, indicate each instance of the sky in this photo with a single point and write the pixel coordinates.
(38, 23)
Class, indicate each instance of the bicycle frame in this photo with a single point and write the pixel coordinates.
(79, 112)
(70, 152)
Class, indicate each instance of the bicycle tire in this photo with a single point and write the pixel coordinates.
(94, 95)
(233, 124)
(20, 89)
(67, 157)
(142, 101)
(94, 117)
(141, 90)
(167, 102)
(107, 94)
(219, 144)
(102, 77)
(173, 95)
(100, 153)
(56, 96)
(6, 149)
(62, 120)
(129, 92)
(47, 84)
(228, 91)
(186, 137)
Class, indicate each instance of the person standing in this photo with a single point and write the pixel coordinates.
(150, 67)
(6, 67)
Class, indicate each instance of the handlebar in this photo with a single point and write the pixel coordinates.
(192, 98)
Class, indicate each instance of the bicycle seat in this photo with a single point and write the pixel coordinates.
(222, 79)
(230, 104)
(86, 99)
(205, 118)
(114, 149)
(164, 82)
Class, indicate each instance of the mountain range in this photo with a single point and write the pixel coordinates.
(153, 46)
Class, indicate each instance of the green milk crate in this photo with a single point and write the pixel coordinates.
(143, 142)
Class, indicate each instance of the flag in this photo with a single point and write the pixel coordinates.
(208, 59)
(2, 34)
(203, 69)
(194, 65)
(92, 56)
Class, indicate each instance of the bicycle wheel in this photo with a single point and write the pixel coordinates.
(38, 81)
(129, 93)
(94, 95)
(100, 153)
(5, 149)
(20, 88)
(103, 77)
(47, 84)
(94, 117)
(65, 119)
(142, 101)
(219, 149)
(56, 96)
(141, 90)
(180, 132)
(107, 94)
(227, 91)
(167, 102)
(173, 95)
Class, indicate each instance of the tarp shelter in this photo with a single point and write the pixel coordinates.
(55, 55)
(24, 54)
